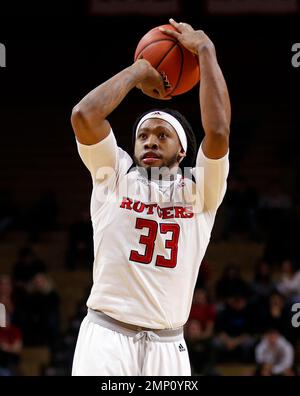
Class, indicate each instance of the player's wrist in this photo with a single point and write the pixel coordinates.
(206, 48)
(141, 70)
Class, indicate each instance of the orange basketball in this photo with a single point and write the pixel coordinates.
(169, 57)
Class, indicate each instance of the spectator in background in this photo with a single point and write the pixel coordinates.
(80, 246)
(199, 331)
(289, 284)
(204, 276)
(63, 353)
(263, 284)
(26, 267)
(38, 312)
(199, 348)
(273, 315)
(204, 312)
(234, 325)
(274, 355)
(6, 294)
(231, 283)
(10, 348)
(10, 336)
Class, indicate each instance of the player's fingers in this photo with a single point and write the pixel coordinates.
(163, 86)
(156, 95)
(181, 26)
(149, 93)
(174, 23)
(169, 32)
(166, 83)
(160, 93)
(186, 26)
(160, 90)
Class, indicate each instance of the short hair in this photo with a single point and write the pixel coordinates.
(190, 158)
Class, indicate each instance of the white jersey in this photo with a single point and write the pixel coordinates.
(148, 252)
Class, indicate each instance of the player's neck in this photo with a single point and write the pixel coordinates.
(162, 174)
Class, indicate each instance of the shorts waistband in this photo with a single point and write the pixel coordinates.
(137, 332)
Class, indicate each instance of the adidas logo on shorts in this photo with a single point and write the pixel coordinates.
(181, 348)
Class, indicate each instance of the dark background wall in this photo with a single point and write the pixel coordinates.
(53, 61)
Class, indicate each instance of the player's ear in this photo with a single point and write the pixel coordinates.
(181, 155)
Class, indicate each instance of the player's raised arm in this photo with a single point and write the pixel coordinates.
(214, 97)
(89, 115)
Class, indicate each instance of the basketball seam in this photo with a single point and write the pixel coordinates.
(153, 42)
(181, 66)
(165, 55)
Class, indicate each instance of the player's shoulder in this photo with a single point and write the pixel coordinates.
(125, 161)
(123, 154)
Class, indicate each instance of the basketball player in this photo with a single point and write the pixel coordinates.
(147, 251)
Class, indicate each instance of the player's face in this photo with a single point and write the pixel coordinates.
(157, 145)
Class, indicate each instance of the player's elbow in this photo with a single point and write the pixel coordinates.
(79, 118)
(219, 135)
(216, 143)
(77, 114)
(220, 131)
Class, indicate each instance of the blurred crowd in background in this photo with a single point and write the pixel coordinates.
(232, 319)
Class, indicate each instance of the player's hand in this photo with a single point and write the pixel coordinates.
(152, 82)
(192, 40)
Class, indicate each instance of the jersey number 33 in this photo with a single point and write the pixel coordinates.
(149, 242)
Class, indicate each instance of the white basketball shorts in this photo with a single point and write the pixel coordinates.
(105, 348)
